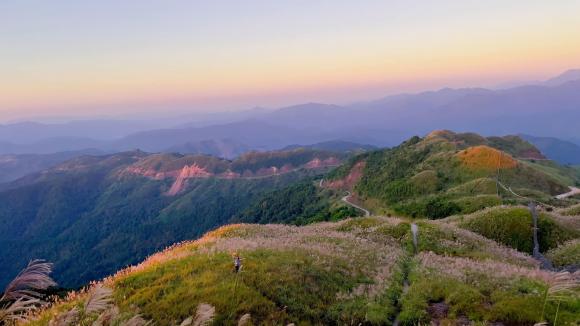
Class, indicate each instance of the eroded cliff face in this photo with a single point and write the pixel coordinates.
(318, 163)
(150, 172)
(182, 172)
(350, 180)
(193, 171)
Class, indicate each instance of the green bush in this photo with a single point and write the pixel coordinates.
(468, 205)
(439, 207)
(514, 227)
(481, 298)
(433, 207)
(301, 203)
(566, 254)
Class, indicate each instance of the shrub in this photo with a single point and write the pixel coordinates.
(473, 204)
(434, 207)
(514, 227)
(439, 207)
(566, 254)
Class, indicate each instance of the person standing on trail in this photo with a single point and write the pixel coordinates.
(237, 263)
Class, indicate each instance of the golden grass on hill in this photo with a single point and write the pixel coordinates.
(355, 266)
(486, 158)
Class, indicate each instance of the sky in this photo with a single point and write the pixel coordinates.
(126, 58)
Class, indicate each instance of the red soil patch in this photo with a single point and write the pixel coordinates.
(486, 158)
(350, 180)
(193, 171)
(151, 173)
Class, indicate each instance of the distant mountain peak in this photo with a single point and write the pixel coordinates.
(567, 76)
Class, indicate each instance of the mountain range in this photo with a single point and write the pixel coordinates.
(548, 109)
(565, 152)
(15, 166)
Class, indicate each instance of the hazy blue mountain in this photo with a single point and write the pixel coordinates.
(225, 148)
(335, 146)
(53, 145)
(13, 167)
(32, 132)
(256, 134)
(564, 152)
(539, 110)
(196, 120)
(567, 76)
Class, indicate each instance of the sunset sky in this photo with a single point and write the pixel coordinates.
(121, 57)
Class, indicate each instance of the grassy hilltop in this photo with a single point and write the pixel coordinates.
(347, 272)
(448, 173)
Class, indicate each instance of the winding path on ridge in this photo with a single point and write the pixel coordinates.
(573, 191)
(345, 199)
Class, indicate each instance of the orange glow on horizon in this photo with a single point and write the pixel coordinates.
(446, 57)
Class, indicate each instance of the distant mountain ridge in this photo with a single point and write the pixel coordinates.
(334, 146)
(225, 148)
(562, 151)
(567, 76)
(538, 110)
(13, 167)
(545, 109)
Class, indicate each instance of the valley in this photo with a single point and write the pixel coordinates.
(136, 202)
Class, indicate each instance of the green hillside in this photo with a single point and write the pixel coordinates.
(301, 203)
(447, 173)
(93, 215)
(349, 272)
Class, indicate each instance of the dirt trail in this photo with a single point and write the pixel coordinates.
(573, 191)
(345, 199)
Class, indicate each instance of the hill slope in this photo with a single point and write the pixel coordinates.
(447, 173)
(95, 214)
(350, 272)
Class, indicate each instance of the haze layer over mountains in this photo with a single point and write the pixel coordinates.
(540, 109)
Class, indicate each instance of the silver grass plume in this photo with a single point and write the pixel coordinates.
(99, 299)
(563, 286)
(245, 320)
(22, 295)
(137, 320)
(204, 314)
(29, 282)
